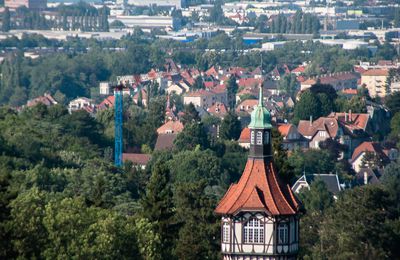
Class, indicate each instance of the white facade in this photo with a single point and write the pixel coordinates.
(254, 233)
(104, 88)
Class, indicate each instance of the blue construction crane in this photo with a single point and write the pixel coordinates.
(118, 106)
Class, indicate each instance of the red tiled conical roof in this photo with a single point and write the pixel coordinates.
(259, 189)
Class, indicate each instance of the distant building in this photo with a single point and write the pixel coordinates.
(292, 139)
(104, 88)
(376, 81)
(331, 181)
(162, 3)
(146, 21)
(339, 81)
(46, 100)
(207, 98)
(381, 158)
(81, 103)
(137, 159)
(31, 4)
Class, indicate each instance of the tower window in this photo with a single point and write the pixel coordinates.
(283, 233)
(266, 137)
(254, 231)
(252, 137)
(225, 232)
(259, 137)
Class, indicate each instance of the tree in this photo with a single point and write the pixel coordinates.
(230, 127)
(395, 126)
(280, 157)
(6, 25)
(308, 106)
(288, 85)
(190, 114)
(370, 220)
(371, 160)
(193, 136)
(393, 102)
(198, 83)
(198, 236)
(317, 198)
(158, 207)
(232, 88)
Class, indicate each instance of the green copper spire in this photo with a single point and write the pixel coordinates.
(260, 117)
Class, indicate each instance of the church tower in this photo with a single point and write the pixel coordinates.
(260, 214)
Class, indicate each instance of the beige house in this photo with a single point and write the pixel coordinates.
(376, 80)
(339, 81)
(205, 98)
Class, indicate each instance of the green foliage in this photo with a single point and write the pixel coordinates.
(393, 102)
(311, 161)
(285, 170)
(193, 136)
(232, 88)
(230, 128)
(308, 105)
(395, 126)
(6, 20)
(288, 85)
(190, 114)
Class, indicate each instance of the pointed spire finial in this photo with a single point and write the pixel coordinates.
(260, 96)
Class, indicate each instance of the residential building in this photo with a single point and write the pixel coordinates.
(141, 98)
(259, 214)
(105, 88)
(30, 4)
(292, 139)
(331, 181)
(137, 159)
(218, 110)
(206, 98)
(319, 130)
(380, 158)
(376, 81)
(367, 176)
(244, 139)
(108, 102)
(170, 127)
(81, 103)
(46, 100)
(339, 81)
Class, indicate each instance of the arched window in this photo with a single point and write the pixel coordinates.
(283, 233)
(225, 232)
(252, 137)
(266, 137)
(254, 231)
(259, 137)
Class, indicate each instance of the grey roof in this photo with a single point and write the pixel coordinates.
(331, 181)
(165, 142)
(372, 176)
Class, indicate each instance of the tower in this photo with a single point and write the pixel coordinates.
(259, 214)
(118, 125)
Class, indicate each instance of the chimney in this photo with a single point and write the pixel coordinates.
(350, 116)
(365, 178)
(345, 117)
(310, 120)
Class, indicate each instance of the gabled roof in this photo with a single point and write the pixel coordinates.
(352, 121)
(218, 109)
(259, 189)
(331, 181)
(46, 100)
(284, 129)
(170, 127)
(327, 124)
(212, 72)
(136, 158)
(369, 175)
(165, 142)
(248, 105)
(373, 147)
(106, 103)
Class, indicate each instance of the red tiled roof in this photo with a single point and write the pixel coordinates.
(354, 120)
(165, 142)
(218, 109)
(170, 127)
(369, 147)
(259, 189)
(249, 82)
(107, 103)
(376, 72)
(248, 105)
(299, 69)
(245, 135)
(136, 158)
(349, 91)
(47, 100)
(212, 72)
(284, 129)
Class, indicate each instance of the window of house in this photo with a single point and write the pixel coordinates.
(259, 137)
(266, 138)
(254, 231)
(225, 232)
(252, 137)
(283, 233)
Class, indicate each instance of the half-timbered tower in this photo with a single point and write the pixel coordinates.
(260, 212)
